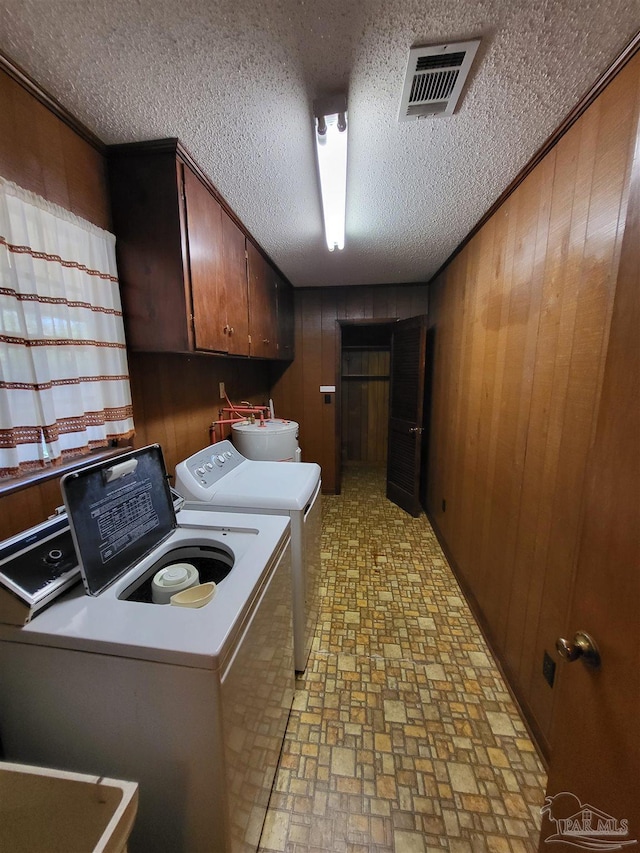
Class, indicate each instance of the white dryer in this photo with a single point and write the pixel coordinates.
(221, 478)
(190, 703)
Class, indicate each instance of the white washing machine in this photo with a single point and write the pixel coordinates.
(220, 477)
(190, 703)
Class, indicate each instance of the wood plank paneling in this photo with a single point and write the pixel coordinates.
(595, 737)
(296, 387)
(311, 419)
(379, 410)
(327, 413)
(175, 398)
(587, 323)
(521, 322)
(365, 405)
(42, 154)
(178, 397)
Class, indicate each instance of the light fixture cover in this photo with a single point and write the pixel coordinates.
(331, 149)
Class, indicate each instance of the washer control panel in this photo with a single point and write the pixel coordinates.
(207, 467)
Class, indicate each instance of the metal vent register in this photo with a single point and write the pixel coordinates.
(435, 79)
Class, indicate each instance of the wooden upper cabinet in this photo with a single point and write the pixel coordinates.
(208, 291)
(285, 313)
(234, 271)
(182, 258)
(263, 319)
(151, 249)
(218, 267)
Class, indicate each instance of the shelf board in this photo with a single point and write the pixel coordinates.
(367, 348)
(365, 376)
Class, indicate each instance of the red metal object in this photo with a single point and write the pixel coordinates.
(220, 423)
(242, 412)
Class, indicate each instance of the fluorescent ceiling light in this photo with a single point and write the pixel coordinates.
(331, 148)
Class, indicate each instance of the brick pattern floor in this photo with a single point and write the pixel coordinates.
(403, 736)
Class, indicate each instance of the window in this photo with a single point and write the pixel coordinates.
(64, 384)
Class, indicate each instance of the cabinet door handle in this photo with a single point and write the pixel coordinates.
(266, 341)
(226, 330)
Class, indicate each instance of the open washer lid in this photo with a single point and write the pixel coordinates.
(119, 511)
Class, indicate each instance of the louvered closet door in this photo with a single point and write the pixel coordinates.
(408, 354)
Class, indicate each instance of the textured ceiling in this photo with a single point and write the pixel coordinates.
(235, 81)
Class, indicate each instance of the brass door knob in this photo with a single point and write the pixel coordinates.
(583, 646)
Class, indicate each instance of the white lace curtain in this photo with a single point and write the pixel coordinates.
(64, 384)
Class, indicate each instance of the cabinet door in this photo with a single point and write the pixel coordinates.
(204, 230)
(284, 293)
(234, 267)
(262, 305)
(147, 220)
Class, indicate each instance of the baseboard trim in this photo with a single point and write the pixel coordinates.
(33, 87)
(540, 741)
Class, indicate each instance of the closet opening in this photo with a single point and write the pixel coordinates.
(364, 361)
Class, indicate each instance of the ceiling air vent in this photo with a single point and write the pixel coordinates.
(435, 77)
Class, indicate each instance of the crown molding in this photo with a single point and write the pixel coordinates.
(13, 70)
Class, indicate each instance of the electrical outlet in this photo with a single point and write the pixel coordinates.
(548, 669)
(222, 391)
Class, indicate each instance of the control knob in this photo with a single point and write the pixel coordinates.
(54, 556)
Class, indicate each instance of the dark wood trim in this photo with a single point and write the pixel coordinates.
(369, 348)
(367, 321)
(379, 284)
(159, 145)
(365, 376)
(539, 740)
(585, 102)
(13, 70)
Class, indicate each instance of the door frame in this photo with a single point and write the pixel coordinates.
(370, 321)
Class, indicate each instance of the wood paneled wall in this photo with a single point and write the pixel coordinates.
(296, 387)
(175, 398)
(365, 405)
(521, 322)
(41, 153)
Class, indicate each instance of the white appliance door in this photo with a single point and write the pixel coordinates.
(312, 577)
(257, 692)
